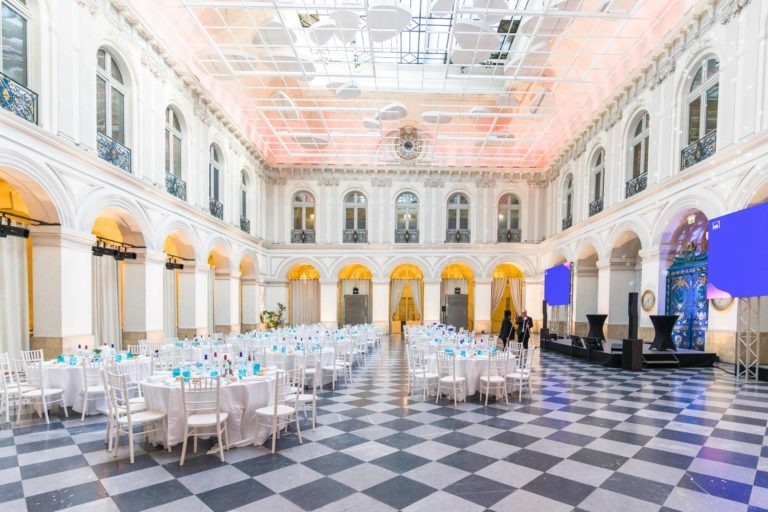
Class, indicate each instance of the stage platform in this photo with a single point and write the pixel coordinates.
(654, 358)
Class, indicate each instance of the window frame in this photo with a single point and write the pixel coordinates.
(568, 196)
(214, 172)
(641, 140)
(514, 205)
(700, 93)
(111, 85)
(304, 206)
(458, 208)
(23, 11)
(409, 209)
(173, 135)
(356, 205)
(244, 194)
(597, 170)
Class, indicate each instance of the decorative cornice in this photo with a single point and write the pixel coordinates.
(275, 180)
(485, 183)
(731, 10)
(665, 67)
(381, 182)
(329, 181)
(434, 183)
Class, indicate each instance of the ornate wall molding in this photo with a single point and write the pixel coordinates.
(329, 181)
(434, 183)
(92, 5)
(381, 182)
(485, 183)
(731, 10)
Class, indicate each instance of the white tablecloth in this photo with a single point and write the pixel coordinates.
(70, 379)
(471, 368)
(239, 399)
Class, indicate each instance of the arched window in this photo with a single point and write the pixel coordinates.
(597, 179)
(509, 219)
(355, 218)
(568, 202)
(110, 97)
(458, 219)
(303, 218)
(13, 38)
(245, 222)
(638, 155)
(172, 143)
(407, 218)
(214, 182)
(702, 101)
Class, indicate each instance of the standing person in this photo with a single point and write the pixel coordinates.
(507, 329)
(524, 325)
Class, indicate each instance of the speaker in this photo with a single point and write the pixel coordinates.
(632, 314)
(544, 315)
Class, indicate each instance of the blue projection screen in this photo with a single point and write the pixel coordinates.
(738, 254)
(557, 285)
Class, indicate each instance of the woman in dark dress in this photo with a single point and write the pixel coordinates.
(507, 329)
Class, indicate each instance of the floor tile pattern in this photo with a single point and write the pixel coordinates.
(588, 439)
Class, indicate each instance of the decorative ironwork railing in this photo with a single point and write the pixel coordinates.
(596, 206)
(245, 224)
(567, 222)
(16, 98)
(113, 152)
(636, 185)
(459, 236)
(216, 208)
(355, 236)
(509, 236)
(699, 150)
(302, 236)
(176, 186)
(406, 236)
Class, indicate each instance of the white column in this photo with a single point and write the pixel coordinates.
(483, 311)
(226, 306)
(431, 301)
(621, 277)
(380, 297)
(533, 295)
(62, 292)
(654, 279)
(193, 300)
(329, 305)
(584, 296)
(143, 297)
(250, 296)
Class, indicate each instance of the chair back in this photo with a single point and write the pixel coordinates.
(90, 373)
(276, 359)
(446, 364)
(118, 394)
(288, 386)
(497, 364)
(7, 380)
(202, 396)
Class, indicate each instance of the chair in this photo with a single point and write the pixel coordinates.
(339, 363)
(309, 400)
(522, 373)
(9, 389)
(514, 347)
(126, 418)
(135, 350)
(93, 388)
(30, 376)
(418, 369)
(447, 378)
(202, 410)
(285, 404)
(495, 375)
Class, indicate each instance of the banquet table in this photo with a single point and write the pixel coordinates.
(239, 399)
(471, 368)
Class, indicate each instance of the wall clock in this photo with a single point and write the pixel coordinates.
(648, 300)
(721, 304)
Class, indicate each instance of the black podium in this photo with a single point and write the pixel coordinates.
(596, 326)
(663, 325)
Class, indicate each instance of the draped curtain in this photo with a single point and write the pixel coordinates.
(14, 296)
(211, 298)
(397, 287)
(106, 301)
(169, 303)
(415, 287)
(497, 291)
(516, 292)
(305, 301)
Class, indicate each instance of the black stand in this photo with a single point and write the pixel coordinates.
(632, 355)
(596, 326)
(663, 325)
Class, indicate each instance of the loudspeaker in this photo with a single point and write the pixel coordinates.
(544, 315)
(442, 308)
(632, 313)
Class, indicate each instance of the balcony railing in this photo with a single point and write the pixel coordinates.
(216, 208)
(113, 152)
(302, 236)
(596, 206)
(176, 186)
(458, 236)
(406, 236)
(355, 236)
(636, 185)
(509, 236)
(245, 224)
(567, 222)
(698, 151)
(16, 98)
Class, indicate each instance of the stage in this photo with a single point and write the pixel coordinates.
(651, 358)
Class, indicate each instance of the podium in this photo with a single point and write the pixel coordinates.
(596, 326)
(662, 326)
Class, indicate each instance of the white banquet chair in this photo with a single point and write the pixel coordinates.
(31, 376)
(9, 389)
(308, 400)
(284, 406)
(522, 373)
(93, 388)
(447, 378)
(494, 377)
(201, 398)
(418, 369)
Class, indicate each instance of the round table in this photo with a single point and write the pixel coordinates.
(471, 368)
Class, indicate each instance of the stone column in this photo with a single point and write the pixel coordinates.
(193, 300)
(654, 279)
(276, 292)
(533, 294)
(226, 312)
(251, 303)
(62, 289)
(431, 301)
(329, 302)
(585, 297)
(143, 297)
(482, 323)
(380, 315)
(616, 278)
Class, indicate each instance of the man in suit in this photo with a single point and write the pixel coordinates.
(507, 329)
(524, 325)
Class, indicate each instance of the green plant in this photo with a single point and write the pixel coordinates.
(273, 319)
(97, 350)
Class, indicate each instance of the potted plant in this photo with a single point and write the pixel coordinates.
(273, 319)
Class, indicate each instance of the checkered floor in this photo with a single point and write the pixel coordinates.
(590, 438)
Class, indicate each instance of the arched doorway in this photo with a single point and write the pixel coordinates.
(457, 309)
(625, 273)
(303, 295)
(118, 236)
(507, 292)
(406, 292)
(249, 298)
(355, 303)
(585, 288)
(220, 298)
(684, 253)
(180, 253)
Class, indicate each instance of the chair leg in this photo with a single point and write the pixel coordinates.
(298, 427)
(44, 406)
(130, 442)
(184, 445)
(167, 435)
(314, 414)
(226, 436)
(85, 405)
(221, 441)
(117, 440)
(274, 434)
(64, 406)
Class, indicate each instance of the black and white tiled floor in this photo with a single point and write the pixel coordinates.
(590, 438)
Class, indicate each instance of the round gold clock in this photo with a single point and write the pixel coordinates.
(721, 304)
(648, 299)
